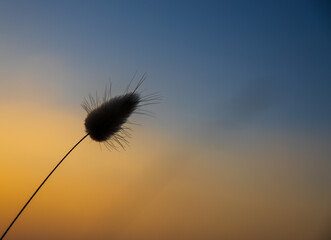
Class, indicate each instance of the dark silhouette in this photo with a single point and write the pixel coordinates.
(41, 186)
(104, 123)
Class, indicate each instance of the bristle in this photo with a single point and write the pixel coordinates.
(106, 119)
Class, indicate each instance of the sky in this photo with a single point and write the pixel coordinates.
(237, 148)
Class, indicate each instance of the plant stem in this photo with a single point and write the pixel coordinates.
(41, 186)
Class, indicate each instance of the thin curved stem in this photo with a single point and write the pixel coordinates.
(42, 185)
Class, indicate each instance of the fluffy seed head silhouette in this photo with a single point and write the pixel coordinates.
(106, 120)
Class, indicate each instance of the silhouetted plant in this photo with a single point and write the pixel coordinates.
(106, 122)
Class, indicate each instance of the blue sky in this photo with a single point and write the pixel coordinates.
(202, 56)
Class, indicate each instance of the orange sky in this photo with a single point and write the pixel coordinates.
(163, 187)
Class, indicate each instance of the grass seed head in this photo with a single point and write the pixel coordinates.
(106, 119)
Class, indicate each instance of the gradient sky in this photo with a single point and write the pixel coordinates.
(238, 148)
